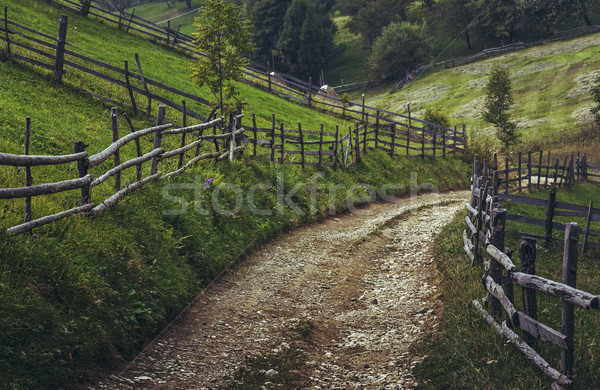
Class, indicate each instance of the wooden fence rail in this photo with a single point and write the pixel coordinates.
(86, 180)
(484, 242)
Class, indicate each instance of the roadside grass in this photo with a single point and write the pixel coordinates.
(465, 353)
(544, 79)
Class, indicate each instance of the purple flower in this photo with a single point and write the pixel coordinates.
(140, 281)
(34, 235)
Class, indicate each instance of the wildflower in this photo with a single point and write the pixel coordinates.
(140, 281)
(34, 235)
(121, 258)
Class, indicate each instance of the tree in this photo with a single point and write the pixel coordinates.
(499, 19)
(266, 17)
(457, 15)
(224, 37)
(435, 115)
(401, 46)
(306, 39)
(498, 100)
(377, 14)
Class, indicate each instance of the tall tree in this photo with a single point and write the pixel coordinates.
(499, 19)
(458, 17)
(374, 15)
(224, 37)
(498, 100)
(306, 39)
(266, 17)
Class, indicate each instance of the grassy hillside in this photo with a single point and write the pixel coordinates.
(113, 46)
(551, 87)
(466, 353)
(179, 13)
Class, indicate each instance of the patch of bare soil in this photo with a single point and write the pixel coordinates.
(334, 305)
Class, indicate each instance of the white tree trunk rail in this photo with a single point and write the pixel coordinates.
(129, 163)
(45, 189)
(486, 225)
(48, 219)
(17, 160)
(201, 126)
(99, 158)
(529, 352)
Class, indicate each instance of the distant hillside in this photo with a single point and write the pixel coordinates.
(551, 85)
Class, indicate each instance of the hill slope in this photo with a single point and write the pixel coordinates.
(551, 85)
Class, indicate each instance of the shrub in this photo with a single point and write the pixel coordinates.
(400, 47)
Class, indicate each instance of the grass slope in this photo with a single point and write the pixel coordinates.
(178, 12)
(465, 353)
(551, 87)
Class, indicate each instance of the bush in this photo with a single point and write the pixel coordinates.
(400, 47)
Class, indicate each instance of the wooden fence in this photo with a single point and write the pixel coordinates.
(223, 146)
(332, 149)
(259, 75)
(59, 56)
(484, 242)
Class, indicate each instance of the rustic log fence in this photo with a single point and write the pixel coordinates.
(484, 243)
(333, 148)
(86, 180)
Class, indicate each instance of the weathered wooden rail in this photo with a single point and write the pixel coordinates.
(85, 163)
(484, 243)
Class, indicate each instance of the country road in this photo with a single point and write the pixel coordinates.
(338, 304)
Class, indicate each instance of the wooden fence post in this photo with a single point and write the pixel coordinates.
(587, 226)
(60, 48)
(506, 170)
(519, 172)
(130, 20)
(160, 120)
(568, 309)
(550, 216)
(269, 76)
(309, 90)
(232, 144)
(138, 148)
(527, 254)
(548, 169)
(377, 130)
(85, 7)
(6, 29)
(115, 136)
(444, 144)
(301, 144)
(282, 134)
(82, 167)
(320, 146)
(556, 163)
(363, 108)
(336, 146)
(357, 142)
(474, 180)
(168, 32)
(143, 79)
(255, 136)
(540, 169)
(130, 88)
(497, 227)
(215, 141)
(365, 133)
(407, 137)
(181, 156)
(529, 170)
(584, 166)
(273, 138)
(28, 177)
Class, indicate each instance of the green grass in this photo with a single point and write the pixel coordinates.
(158, 12)
(465, 353)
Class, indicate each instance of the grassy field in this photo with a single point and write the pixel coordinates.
(551, 86)
(465, 353)
(178, 13)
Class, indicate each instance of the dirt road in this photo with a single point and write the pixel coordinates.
(333, 305)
